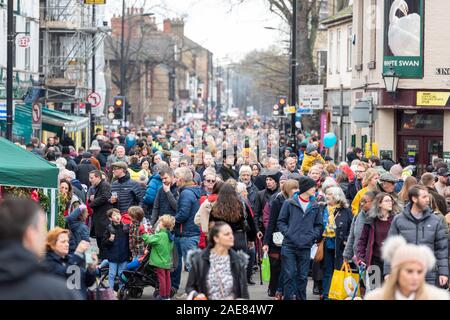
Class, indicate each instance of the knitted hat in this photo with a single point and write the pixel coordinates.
(95, 146)
(274, 174)
(306, 183)
(311, 147)
(397, 251)
(396, 171)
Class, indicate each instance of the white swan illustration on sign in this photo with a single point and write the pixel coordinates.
(404, 32)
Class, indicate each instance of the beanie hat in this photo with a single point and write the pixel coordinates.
(306, 183)
(311, 147)
(275, 175)
(397, 251)
(396, 171)
(87, 155)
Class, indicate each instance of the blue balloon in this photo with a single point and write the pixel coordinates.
(329, 140)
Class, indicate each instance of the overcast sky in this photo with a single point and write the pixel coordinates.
(225, 30)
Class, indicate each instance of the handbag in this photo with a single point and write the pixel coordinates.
(265, 268)
(277, 238)
(319, 254)
(344, 284)
(101, 292)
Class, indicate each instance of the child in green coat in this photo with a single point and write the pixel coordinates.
(161, 255)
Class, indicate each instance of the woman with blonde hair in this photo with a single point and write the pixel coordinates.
(409, 265)
(403, 194)
(369, 183)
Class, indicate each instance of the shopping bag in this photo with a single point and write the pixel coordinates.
(344, 284)
(265, 267)
(100, 292)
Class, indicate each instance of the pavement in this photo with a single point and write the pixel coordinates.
(256, 292)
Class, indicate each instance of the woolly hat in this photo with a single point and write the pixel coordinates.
(274, 174)
(397, 251)
(396, 171)
(95, 146)
(306, 183)
(311, 147)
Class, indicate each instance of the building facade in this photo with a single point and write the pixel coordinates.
(412, 124)
(26, 60)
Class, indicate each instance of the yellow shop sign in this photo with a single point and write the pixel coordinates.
(433, 99)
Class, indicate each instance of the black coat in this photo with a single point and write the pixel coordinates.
(117, 251)
(353, 189)
(71, 164)
(260, 202)
(199, 261)
(23, 278)
(102, 158)
(84, 168)
(100, 206)
(228, 173)
(343, 222)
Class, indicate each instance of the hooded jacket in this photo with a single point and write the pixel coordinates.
(308, 161)
(187, 206)
(300, 229)
(78, 229)
(129, 193)
(430, 230)
(161, 255)
(153, 186)
(200, 265)
(23, 278)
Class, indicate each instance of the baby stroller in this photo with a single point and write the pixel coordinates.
(134, 281)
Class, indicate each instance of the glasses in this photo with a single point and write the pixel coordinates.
(210, 181)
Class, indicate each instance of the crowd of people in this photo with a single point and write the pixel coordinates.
(140, 192)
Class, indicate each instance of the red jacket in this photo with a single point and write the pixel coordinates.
(211, 198)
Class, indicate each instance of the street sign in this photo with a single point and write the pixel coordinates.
(361, 113)
(36, 115)
(302, 111)
(289, 110)
(94, 1)
(311, 96)
(94, 99)
(2, 110)
(24, 41)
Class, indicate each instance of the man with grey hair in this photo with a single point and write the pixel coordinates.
(187, 233)
(117, 156)
(245, 176)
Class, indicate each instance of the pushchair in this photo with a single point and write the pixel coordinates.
(133, 281)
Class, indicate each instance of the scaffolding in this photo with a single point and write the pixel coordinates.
(70, 37)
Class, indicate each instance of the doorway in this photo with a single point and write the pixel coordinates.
(420, 138)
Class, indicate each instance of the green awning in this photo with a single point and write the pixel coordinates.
(21, 168)
(63, 120)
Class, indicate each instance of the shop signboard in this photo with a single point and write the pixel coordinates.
(433, 99)
(403, 37)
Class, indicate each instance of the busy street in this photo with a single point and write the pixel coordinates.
(223, 150)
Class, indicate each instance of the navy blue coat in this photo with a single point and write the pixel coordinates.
(78, 229)
(63, 267)
(165, 203)
(117, 251)
(129, 193)
(187, 206)
(300, 229)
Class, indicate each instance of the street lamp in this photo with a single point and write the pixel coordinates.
(391, 79)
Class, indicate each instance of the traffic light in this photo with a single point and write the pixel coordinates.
(111, 115)
(278, 109)
(119, 106)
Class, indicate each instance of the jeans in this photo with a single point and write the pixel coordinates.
(328, 256)
(116, 269)
(183, 245)
(295, 268)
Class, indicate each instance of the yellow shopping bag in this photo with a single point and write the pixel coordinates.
(344, 283)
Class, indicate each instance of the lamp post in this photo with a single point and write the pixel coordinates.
(294, 72)
(391, 80)
(9, 70)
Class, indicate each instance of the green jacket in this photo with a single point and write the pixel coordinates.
(161, 255)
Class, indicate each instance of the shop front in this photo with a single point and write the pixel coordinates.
(420, 137)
